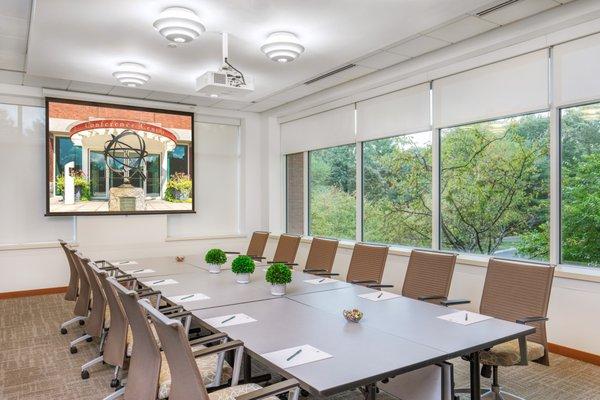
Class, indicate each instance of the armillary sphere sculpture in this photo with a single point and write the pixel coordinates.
(127, 151)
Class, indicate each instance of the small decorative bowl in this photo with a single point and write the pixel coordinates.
(353, 315)
(180, 258)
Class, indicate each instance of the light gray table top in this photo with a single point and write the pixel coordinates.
(162, 266)
(197, 260)
(223, 289)
(361, 353)
(416, 320)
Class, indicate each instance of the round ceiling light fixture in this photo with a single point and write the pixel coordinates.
(179, 24)
(282, 47)
(131, 74)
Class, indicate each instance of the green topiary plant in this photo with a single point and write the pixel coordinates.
(279, 274)
(216, 257)
(242, 265)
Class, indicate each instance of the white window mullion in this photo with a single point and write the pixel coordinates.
(555, 161)
(435, 188)
(305, 193)
(359, 200)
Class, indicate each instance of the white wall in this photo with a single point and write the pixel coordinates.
(28, 261)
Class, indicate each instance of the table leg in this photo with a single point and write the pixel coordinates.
(475, 378)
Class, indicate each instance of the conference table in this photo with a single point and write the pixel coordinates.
(395, 336)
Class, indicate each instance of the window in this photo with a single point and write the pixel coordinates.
(397, 190)
(66, 152)
(332, 190)
(178, 160)
(295, 193)
(580, 185)
(495, 187)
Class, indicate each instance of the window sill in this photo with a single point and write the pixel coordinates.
(204, 237)
(587, 274)
(33, 246)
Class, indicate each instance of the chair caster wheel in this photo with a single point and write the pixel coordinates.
(115, 383)
(85, 374)
(73, 350)
(63, 331)
(89, 339)
(82, 322)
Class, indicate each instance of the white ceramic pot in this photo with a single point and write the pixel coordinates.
(242, 278)
(214, 268)
(277, 290)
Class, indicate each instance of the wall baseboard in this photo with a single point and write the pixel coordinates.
(574, 353)
(34, 292)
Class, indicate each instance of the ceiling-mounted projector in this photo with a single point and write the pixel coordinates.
(227, 81)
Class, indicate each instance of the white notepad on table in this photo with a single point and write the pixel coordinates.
(122, 263)
(379, 296)
(184, 298)
(320, 281)
(294, 356)
(139, 271)
(229, 320)
(464, 317)
(161, 282)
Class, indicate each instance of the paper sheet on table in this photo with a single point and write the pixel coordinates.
(161, 282)
(464, 317)
(379, 296)
(320, 281)
(121, 263)
(229, 320)
(139, 271)
(184, 298)
(283, 358)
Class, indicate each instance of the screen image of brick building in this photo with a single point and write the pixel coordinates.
(81, 179)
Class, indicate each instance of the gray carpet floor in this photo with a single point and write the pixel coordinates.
(35, 362)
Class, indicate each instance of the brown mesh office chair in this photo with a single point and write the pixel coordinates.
(73, 291)
(366, 265)
(287, 247)
(188, 380)
(149, 375)
(519, 292)
(321, 255)
(82, 305)
(428, 275)
(256, 247)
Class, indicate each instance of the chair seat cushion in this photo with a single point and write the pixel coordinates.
(232, 392)
(207, 366)
(507, 354)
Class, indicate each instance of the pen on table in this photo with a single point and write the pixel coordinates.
(380, 294)
(228, 319)
(187, 297)
(136, 271)
(154, 283)
(294, 355)
(321, 280)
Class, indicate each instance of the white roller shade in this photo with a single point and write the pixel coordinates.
(216, 184)
(509, 87)
(404, 111)
(326, 129)
(576, 70)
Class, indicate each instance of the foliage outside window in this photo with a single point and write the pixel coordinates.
(179, 188)
(332, 190)
(80, 183)
(495, 187)
(580, 190)
(397, 190)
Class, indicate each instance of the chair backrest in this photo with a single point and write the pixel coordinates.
(429, 273)
(367, 262)
(287, 247)
(186, 381)
(518, 289)
(258, 242)
(71, 294)
(82, 304)
(322, 254)
(144, 366)
(115, 345)
(95, 322)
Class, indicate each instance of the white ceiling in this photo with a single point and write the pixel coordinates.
(76, 45)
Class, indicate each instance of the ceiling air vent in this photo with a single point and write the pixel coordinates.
(496, 7)
(328, 74)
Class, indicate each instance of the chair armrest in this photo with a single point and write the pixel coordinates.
(281, 262)
(220, 348)
(271, 390)
(167, 310)
(326, 274)
(147, 294)
(528, 320)
(109, 268)
(370, 282)
(425, 298)
(379, 286)
(257, 258)
(180, 314)
(231, 252)
(312, 271)
(208, 339)
(448, 303)
(126, 279)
